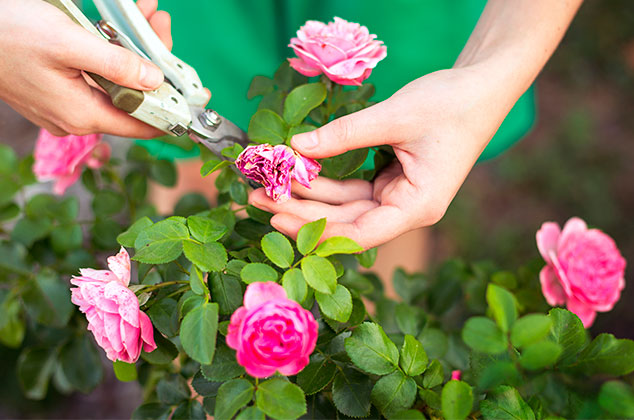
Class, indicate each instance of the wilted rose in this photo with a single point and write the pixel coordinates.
(344, 51)
(275, 166)
(62, 159)
(112, 310)
(271, 332)
(584, 270)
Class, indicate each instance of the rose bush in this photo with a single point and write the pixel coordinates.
(248, 323)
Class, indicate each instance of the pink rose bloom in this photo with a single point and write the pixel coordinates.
(62, 159)
(275, 166)
(344, 51)
(584, 270)
(112, 309)
(271, 332)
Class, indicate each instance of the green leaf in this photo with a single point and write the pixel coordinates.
(260, 85)
(456, 400)
(343, 165)
(286, 77)
(298, 129)
(502, 304)
(9, 211)
(238, 193)
(567, 331)
(205, 229)
(189, 410)
(316, 376)
(616, 398)
(8, 160)
(278, 249)
(198, 332)
(233, 151)
(188, 302)
(203, 386)
(224, 366)
(506, 279)
(320, 274)
(232, 396)
(107, 203)
(481, 334)
(309, 235)
(210, 256)
(431, 398)
(128, 237)
(607, 355)
(191, 203)
(506, 404)
(164, 172)
(351, 391)
(164, 316)
(337, 306)
(125, 372)
(66, 238)
(367, 258)
(497, 373)
(393, 393)
(12, 326)
(371, 350)
(161, 242)
(152, 411)
(47, 299)
(27, 231)
(301, 100)
(408, 415)
(273, 101)
(295, 285)
(255, 272)
(251, 413)
(530, 329)
(80, 363)
(540, 355)
(280, 399)
(213, 165)
(410, 319)
(35, 367)
(172, 389)
(337, 245)
(413, 357)
(197, 281)
(267, 127)
(434, 375)
(409, 287)
(164, 353)
(226, 291)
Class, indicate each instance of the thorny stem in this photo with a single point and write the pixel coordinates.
(158, 286)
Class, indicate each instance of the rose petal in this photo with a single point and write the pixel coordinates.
(585, 313)
(547, 238)
(261, 292)
(120, 265)
(551, 288)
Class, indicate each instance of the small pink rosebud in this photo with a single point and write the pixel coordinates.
(275, 166)
(62, 159)
(271, 333)
(455, 375)
(112, 310)
(344, 51)
(584, 268)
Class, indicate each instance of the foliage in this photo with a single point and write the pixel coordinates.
(374, 357)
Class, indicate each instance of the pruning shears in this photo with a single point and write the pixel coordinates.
(177, 107)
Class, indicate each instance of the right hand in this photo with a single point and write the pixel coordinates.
(42, 56)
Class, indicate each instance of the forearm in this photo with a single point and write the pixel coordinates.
(513, 40)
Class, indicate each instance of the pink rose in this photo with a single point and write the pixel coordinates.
(344, 51)
(584, 270)
(275, 166)
(112, 309)
(271, 332)
(455, 375)
(62, 159)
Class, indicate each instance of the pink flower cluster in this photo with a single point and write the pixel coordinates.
(271, 332)
(584, 270)
(275, 166)
(112, 310)
(62, 159)
(344, 51)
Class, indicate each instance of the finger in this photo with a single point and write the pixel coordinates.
(313, 210)
(96, 55)
(372, 126)
(161, 22)
(371, 229)
(147, 7)
(331, 191)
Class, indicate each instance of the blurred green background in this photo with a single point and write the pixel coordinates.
(577, 161)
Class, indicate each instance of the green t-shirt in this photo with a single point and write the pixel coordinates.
(230, 41)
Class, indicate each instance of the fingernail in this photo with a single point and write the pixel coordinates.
(306, 141)
(151, 76)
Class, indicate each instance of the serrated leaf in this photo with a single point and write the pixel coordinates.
(197, 281)
(278, 249)
(205, 229)
(351, 392)
(607, 355)
(337, 306)
(258, 272)
(267, 127)
(232, 396)
(567, 331)
(413, 357)
(456, 400)
(617, 398)
(226, 291)
(128, 238)
(530, 329)
(316, 376)
(301, 100)
(505, 403)
(393, 393)
(434, 375)
(280, 399)
(34, 369)
(210, 256)
(540, 355)
(371, 350)
(224, 365)
(502, 304)
(309, 235)
(260, 85)
(213, 165)
(320, 274)
(198, 332)
(161, 242)
(481, 334)
(337, 245)
(295, 285)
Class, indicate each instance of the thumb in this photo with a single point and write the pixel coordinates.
(369, 127)
(117, 64)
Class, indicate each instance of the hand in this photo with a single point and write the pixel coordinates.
(42, 56)
(438, 125)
